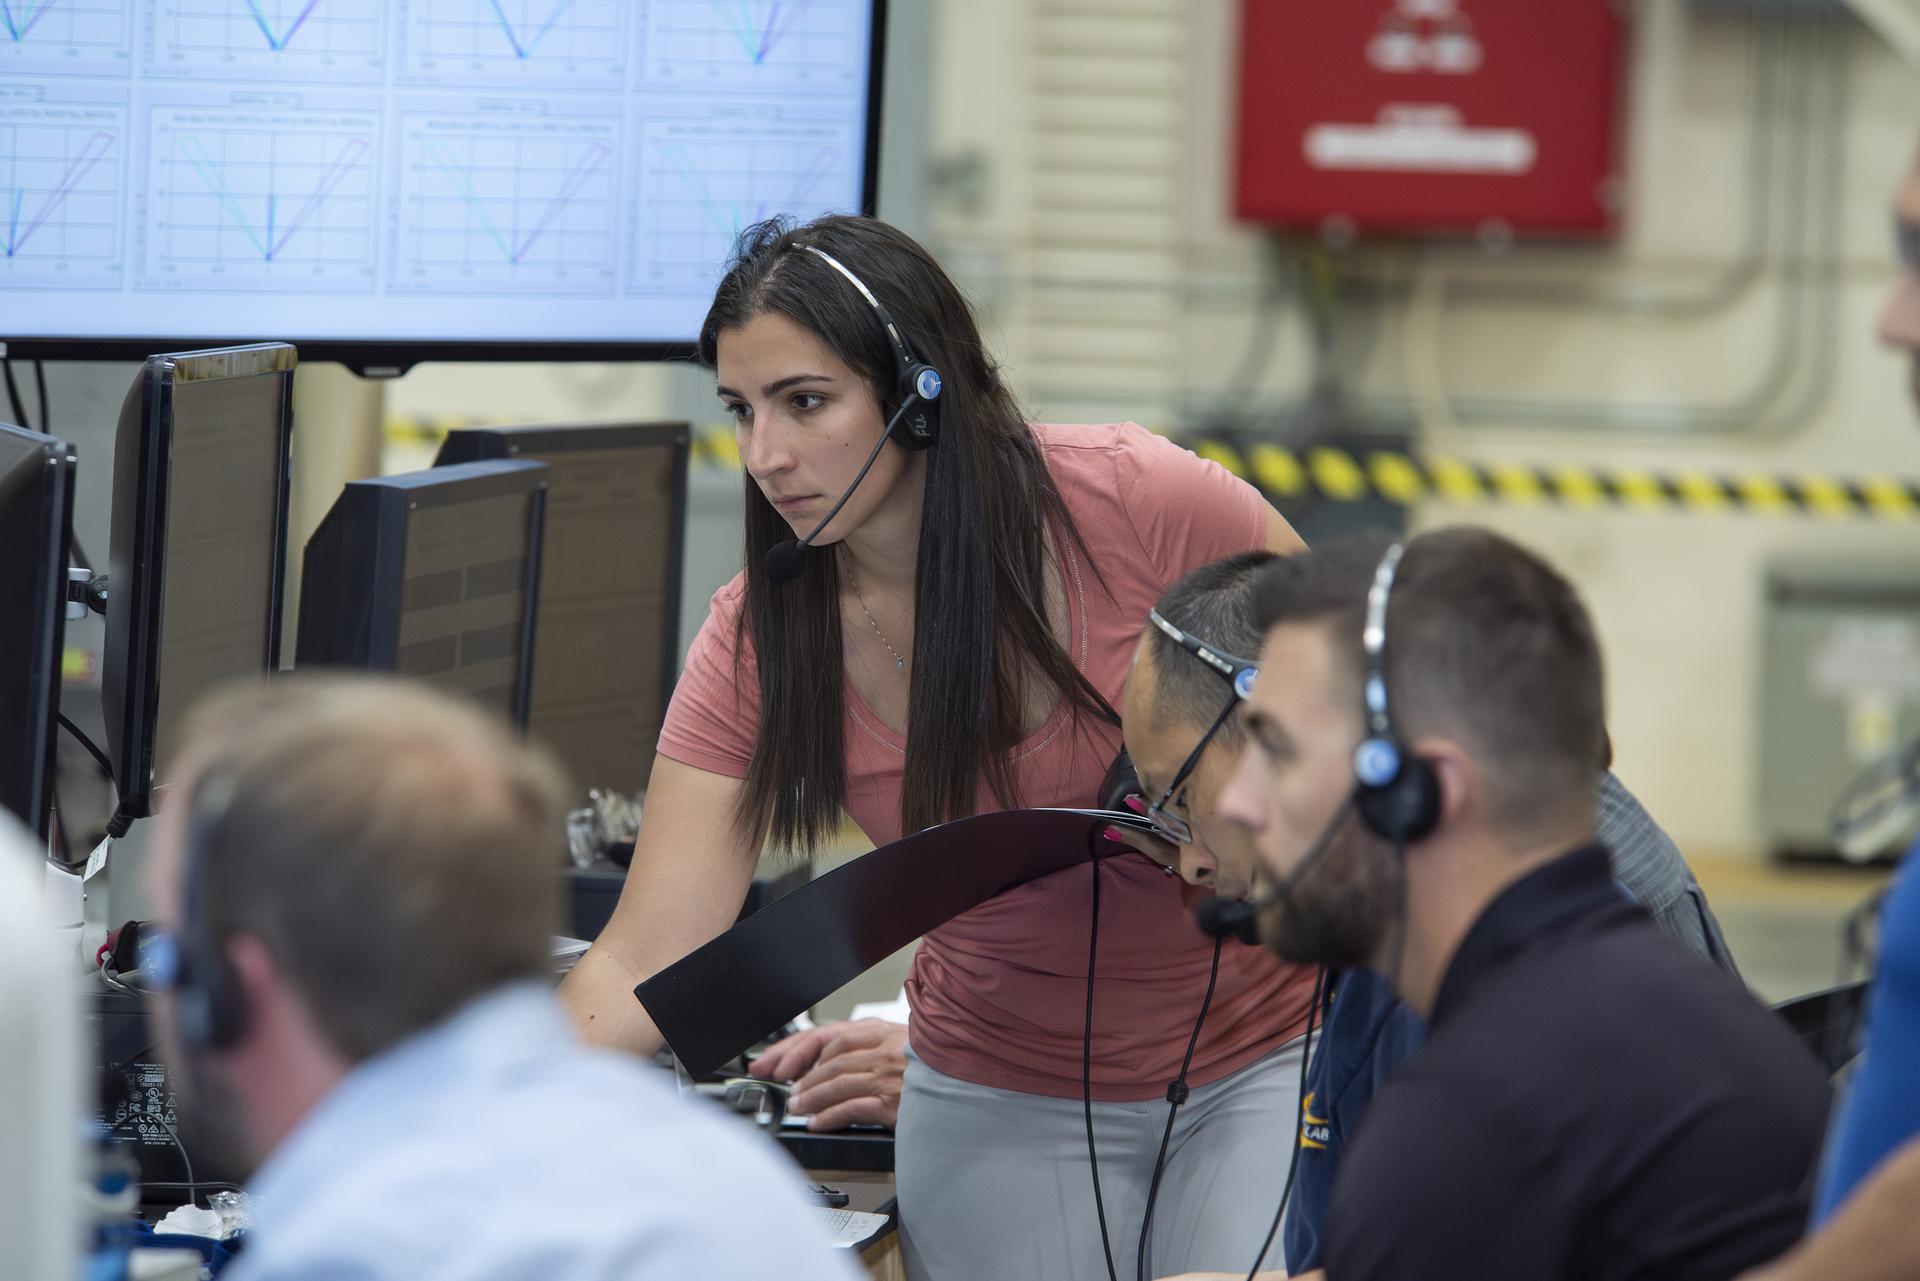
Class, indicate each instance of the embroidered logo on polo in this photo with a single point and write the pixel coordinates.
(1315, 1131)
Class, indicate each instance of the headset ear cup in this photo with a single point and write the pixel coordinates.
(921, 422)
(1405, 810)
(921, 427)
(210, 1012)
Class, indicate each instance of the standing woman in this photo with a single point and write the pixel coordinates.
(953, 643)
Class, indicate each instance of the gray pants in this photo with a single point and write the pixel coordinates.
(995, 1184)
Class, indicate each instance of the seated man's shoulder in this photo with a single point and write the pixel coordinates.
(1627, 1077)
(1627, 1018)
(590, 1163)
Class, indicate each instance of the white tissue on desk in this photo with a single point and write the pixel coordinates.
(230, 1215)
(191, 1221)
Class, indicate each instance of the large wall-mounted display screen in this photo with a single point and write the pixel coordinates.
(401, 179)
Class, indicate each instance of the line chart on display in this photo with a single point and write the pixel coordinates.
(701, 184)
(326, 40)
(65, 37)
(566, 44)
(526, 207)
(259, 200)
(367, 173)
(60, 197)
(753, 44)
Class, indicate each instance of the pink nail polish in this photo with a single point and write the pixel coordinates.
(1137, 805)
(1113, 835)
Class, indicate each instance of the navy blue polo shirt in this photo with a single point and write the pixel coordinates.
(1591, 1102)
(1369, 1033)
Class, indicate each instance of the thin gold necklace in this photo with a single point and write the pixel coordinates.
(899, 663)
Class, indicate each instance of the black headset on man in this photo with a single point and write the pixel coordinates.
(209, 1007)
(916, 408)
(1395, 791)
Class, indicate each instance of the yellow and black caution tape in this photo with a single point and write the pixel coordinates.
(1342, 475)
(1349, 476)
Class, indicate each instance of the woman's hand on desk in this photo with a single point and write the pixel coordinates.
(848, 1073)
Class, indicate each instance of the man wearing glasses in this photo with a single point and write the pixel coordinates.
(1182, 724)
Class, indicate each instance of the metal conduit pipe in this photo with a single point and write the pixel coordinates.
(1755, 415)
(1766, 51)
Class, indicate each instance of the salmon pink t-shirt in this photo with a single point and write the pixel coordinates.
(999, 993)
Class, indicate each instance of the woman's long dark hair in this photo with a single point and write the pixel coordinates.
(980, 618)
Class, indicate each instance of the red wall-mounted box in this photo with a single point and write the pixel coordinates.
(1430, 116)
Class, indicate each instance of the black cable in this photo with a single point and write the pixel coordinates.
(1086, 1063)
(1176, 1095)
(40, 390)
(100, 757)
(1299, 1123)
(13, 396)
(1306, 1052)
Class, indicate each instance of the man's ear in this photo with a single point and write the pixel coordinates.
(255, 976)
(1454, 771)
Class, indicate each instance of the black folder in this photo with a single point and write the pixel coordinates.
(723, 997)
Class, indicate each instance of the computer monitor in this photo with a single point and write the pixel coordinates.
(431, 574)
(36, 521)
(385, 182)
(198, 550)
(609, 612)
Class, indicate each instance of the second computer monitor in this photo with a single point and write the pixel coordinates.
(434, 575)
(198, 547)
(609, 616)
(36, 513)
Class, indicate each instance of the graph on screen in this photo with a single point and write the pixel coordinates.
(763, 44)
(332, 41)
(259, 200)
(60, 197)
(65, 37)
(526, 43)
(433, 175)
(508, 206)
(702, 183)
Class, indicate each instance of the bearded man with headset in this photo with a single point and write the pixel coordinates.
(1590, 1100)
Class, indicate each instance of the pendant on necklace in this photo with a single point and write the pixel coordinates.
(900, 664)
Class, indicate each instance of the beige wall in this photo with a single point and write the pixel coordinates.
(525, 393)
(1088, 142)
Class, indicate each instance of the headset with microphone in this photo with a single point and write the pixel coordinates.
(1221, 918)
(1395, 792)
(916, 393)
(209, 1005)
